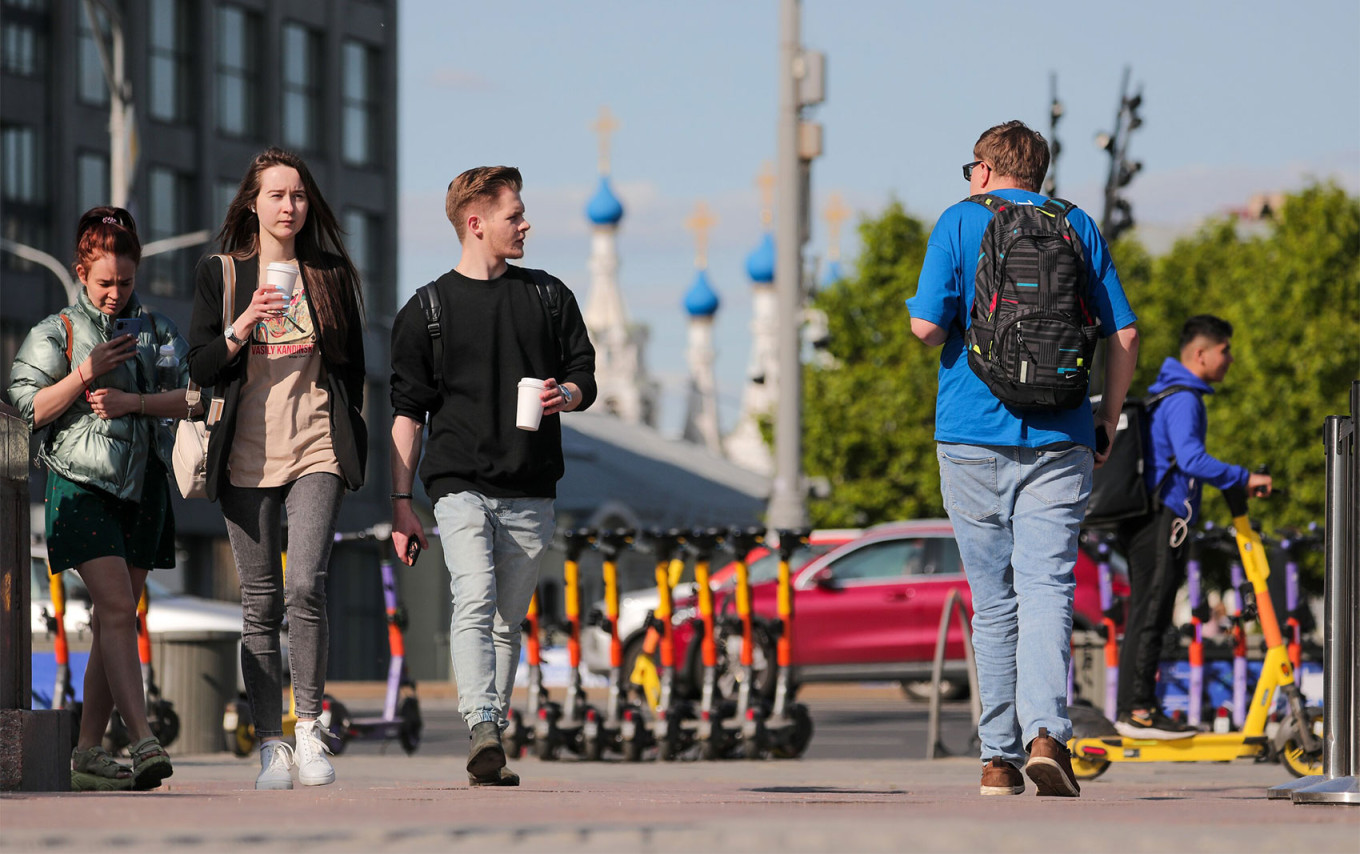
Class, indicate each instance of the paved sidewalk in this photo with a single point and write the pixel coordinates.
(421, 803)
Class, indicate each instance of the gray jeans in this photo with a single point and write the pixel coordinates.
(493, 547)
(253, 516)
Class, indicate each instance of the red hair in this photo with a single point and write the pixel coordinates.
(107, 230)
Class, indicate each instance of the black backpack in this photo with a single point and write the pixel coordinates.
(1032, 335)
(549, 293)
(1118, 488)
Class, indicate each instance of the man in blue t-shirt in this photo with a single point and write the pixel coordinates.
(1015, 484)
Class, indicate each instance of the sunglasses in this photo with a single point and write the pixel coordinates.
(969, 167)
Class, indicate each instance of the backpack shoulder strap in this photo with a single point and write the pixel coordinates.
(429, 305)
(990, 201)
(550, 294)
(70, 336)
(1149, 404)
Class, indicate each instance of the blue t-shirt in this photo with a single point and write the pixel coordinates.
(966, 411)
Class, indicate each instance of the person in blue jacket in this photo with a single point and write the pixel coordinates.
(1155, 542)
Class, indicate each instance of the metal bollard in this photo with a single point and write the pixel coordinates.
(1338, 783)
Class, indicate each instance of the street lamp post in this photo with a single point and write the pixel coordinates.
(801, 79)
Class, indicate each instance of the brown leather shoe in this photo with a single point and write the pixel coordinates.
(1050, 767)
(503, 777)
(1000, 777)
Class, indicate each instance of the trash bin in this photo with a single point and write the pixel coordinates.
(197, 672)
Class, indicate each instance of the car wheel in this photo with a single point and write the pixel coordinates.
(950, 689)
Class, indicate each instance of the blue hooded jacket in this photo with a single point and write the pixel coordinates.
(1177, 427)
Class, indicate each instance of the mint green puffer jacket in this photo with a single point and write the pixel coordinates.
(107, 455)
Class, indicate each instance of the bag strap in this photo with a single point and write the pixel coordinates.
(549, 293)
(70, 337)
(429, 304)
(1150, 404)
(194, 393)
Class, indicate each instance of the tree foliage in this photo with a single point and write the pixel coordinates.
(1290, 287)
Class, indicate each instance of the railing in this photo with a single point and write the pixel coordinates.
(953, 608)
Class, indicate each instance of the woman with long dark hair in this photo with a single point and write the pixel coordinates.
(287, 435)
(89, 375)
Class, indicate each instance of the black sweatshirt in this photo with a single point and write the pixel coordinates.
(494, 333)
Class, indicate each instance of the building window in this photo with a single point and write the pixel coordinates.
(359, 117)
(168, 216)
(92, 179)
(361, 241)
(301, 87)
(25, 180)
(169, 71)
(91, 86)
(238, 74)
(23, 40)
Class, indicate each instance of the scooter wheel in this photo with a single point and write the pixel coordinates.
(335, 720)
(795, 744)
(238, 728)
(1292, 755)
(411, 725)
(164, 722)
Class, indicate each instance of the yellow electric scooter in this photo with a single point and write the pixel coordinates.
(1297, 743)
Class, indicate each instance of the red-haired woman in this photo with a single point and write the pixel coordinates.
(108, 513)
(290, 437)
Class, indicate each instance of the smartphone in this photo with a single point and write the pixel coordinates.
(127, 326)
(1102, 439)
(412, 551)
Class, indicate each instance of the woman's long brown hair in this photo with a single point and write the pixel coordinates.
(333, 281)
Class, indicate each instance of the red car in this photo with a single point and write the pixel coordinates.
(870, 609)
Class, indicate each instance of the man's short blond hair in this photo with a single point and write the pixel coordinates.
(1015, 151)
(477, 186)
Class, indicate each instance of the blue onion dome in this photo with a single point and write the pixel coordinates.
(701, 300)
(760, 263)
(834, 273)
(604, 208)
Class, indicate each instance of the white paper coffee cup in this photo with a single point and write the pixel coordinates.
(530, 409)
(281, 276)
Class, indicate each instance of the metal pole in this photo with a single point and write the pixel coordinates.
(787, 505)
(1338, 784)
(120, 181)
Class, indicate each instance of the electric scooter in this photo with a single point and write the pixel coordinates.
(672, 728)
(1297, 743)
(711, 735)
(750, 711)
(63, 691)
(519, 728)
(787, 729)
(622, 728)
(561, 727)
(400, 718)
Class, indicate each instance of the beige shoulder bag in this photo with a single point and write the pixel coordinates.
(190, 458)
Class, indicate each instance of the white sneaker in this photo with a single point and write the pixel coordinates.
(314, 769)
(276, 760)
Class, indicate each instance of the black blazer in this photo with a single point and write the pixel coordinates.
(210, 366)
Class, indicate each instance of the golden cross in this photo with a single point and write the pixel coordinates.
(835, 213)
(765, 181)
(700, 222)
(604, 126)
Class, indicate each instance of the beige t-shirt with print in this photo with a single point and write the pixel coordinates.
(283, 427)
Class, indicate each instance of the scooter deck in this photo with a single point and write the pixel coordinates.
(1207, 747)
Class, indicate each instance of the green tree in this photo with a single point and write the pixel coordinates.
(869, 415)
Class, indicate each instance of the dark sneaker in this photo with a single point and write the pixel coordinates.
(503, 777)
(1152, 725)
(486, 757)
(1050, 767)
(1000, 777)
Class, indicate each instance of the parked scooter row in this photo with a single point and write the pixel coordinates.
(644, 716)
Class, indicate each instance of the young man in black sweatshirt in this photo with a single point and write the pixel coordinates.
(492, 484)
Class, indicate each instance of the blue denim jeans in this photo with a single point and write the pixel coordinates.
(1016, 515)
(493, 547)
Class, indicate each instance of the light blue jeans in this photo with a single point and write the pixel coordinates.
(1017, 513)
(493, 547)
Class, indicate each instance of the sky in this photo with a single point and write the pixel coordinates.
(1239, 98)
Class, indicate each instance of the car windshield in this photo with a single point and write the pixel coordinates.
(75, 588)
(766, 568)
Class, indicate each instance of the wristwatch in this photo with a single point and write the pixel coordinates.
(230, 334)
(566, 393)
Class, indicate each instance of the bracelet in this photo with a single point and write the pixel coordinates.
(399, 495)
(81, 375)
(141, 401)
